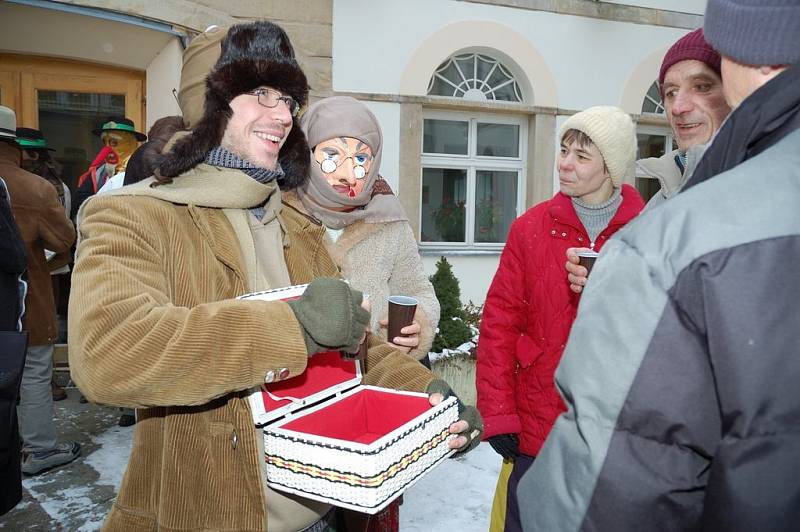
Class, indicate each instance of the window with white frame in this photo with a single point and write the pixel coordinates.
(473, 169)
(652, 141)
(474, 76)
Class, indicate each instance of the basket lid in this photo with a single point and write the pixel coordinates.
(326, 374)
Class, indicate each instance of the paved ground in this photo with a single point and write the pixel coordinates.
(456, 495)
(75, 493)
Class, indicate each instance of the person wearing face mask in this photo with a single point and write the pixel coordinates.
(529, 308)
(120, 140)
(367, 230)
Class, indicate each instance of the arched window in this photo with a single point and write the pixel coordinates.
(653, 103)
(475, 77)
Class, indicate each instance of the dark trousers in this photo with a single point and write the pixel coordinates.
(521, 464)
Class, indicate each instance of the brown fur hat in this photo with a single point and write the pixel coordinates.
(239, 59)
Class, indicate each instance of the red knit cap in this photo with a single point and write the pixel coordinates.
(691, 46)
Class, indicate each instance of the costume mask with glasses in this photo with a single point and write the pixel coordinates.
(345, 162)
(270, 98)
(123, 143)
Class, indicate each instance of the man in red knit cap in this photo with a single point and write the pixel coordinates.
(691, 89)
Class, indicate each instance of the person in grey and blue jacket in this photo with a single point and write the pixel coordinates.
(680, 374)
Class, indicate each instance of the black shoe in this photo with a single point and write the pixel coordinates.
(83, 400)
(59, 393)
(126, 420)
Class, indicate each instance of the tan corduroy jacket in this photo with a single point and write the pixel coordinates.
(153, 325)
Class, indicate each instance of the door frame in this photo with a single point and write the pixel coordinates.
(22, 76)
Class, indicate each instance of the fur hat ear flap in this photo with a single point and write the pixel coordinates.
(191, 150)
(294, 158)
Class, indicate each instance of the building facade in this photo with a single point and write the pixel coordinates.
(469, 93)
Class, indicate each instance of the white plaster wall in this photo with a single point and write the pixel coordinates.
(163, 75)
(474, 273)
(388, 115)
(695, 7)
(590, 59)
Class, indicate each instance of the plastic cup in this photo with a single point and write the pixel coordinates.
(401, 314)
(587, 259)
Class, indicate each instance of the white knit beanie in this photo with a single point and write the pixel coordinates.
(611, 130)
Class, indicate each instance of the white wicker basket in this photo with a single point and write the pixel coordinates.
(363, 477)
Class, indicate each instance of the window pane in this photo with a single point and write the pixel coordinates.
(495, 204)
(444, 195)
(650, 145)
(445, 136)
(647, 187)
(498, 140)
(652, 102)
(67, 119)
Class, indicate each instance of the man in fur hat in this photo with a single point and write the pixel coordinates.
(154, 320)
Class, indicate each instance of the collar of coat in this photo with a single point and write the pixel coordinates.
(206, 186)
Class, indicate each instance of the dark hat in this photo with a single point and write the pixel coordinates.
(233, 61)
(31, 139)
(120, 123)
(755, 32)
(693, 45)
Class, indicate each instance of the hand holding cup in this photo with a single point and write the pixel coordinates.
(577, 268)
(401, 316)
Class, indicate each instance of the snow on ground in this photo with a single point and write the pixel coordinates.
(456, 495)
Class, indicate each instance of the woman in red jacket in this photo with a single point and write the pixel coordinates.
(529, 308)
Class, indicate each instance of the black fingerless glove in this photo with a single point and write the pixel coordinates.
(466, 413)
(331, 316)
(506, 445)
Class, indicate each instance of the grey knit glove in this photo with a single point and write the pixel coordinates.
(466, 413)
(331, 316)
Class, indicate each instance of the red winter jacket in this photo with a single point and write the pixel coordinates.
(527, 316)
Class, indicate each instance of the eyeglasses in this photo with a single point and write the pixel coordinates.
(331, 161)
(270, 98)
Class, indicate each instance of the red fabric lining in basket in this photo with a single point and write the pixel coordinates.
(324, 370)
(362, 417)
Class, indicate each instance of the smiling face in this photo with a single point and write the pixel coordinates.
(582, 172)
(694, 102)
(345, 163)
(256, 133)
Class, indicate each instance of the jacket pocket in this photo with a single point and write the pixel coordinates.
(527, 351)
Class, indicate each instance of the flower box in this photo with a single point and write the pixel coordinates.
(331, 439)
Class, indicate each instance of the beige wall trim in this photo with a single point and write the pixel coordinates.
(410, 157)
(193, 17)
(604, 11)
(456, 104)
